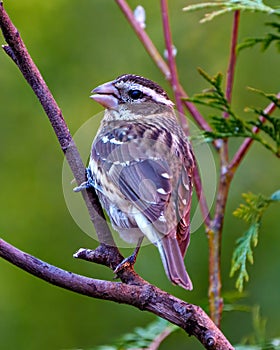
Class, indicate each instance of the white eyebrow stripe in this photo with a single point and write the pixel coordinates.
(155, 95)
(147, 91)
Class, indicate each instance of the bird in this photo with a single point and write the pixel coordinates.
(141, 165)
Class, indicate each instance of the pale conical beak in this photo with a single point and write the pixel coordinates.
(107, 95)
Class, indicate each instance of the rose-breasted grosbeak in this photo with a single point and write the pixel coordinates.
(141, 166)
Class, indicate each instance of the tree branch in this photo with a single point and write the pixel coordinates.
(145, 296)
(19, 54)
(135, 291)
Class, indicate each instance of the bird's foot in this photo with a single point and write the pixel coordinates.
(87, 184)
(129, 261)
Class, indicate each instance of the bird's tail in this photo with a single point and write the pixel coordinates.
(170, 252)
(173, 262)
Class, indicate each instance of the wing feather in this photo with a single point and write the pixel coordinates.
(146, 180)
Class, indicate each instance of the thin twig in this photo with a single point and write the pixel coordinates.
(159, 339)
(147, 297)
(171, 75)
(232, 59)
(144, 38)
(172, 65)
(159, 61)
(178, 91)
(103, 256)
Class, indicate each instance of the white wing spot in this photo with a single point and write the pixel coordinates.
(115, 142)
(165, 175)
(105, 139)
(161, 191)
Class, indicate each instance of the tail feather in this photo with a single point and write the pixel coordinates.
(173, 262)
(170, 252)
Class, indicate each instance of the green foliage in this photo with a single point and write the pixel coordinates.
(254, 208)
(258, 340)
(252, 213)
(231, 125)
(242, 253)
(231, 5)
(233, 301)
(215, 96)
(264, 41)
(272, 126)
(142, 338)
(272, 345)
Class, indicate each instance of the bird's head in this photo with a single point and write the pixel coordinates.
(131, 96)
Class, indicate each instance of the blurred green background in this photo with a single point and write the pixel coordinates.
(78, 45)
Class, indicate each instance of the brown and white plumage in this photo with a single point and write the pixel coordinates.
(141, 165)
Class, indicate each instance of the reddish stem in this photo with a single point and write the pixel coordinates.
(232, 60)
(215, 233)
(178, 91)
(172, 62)
(144, 38)
(171, 74)
(159, 61)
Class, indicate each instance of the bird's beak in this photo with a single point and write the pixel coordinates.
(107, 95)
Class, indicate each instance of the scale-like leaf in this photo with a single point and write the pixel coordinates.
(225, 6)
(265, 41)
(251, 212)
(230, 124)
(242, 253)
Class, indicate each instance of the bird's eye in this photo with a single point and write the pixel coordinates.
(135, 94)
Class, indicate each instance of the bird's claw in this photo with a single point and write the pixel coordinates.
(127, 262)
(87, 184)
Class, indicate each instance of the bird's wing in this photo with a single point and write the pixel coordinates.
(147, 181)
(141, 178)
(184, 206)
(142, 182)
